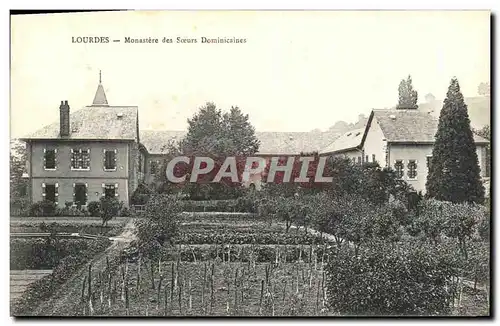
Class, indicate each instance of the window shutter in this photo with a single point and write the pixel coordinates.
(103, 190)
(116, 189)
(43, 190)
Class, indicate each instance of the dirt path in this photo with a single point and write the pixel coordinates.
(62, 302)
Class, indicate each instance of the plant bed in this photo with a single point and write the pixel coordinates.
(208, 288)
(250, 238)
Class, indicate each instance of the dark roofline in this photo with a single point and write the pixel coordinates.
(344, 150)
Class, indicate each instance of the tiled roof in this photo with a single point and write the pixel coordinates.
(156, 141)
(95, 122)
(270, 142)
(349, 140)
(412, 126)
(292, 142)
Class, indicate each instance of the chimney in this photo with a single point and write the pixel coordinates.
(64, 119)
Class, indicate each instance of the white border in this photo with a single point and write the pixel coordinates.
(186, 5)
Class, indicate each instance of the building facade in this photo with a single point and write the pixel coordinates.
(99, 151)
(91, 153)
(402, 140)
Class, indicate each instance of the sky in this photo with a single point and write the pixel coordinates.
(297, 71)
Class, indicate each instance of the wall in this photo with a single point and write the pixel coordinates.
(65, 188)
(408, 152)
(63, 159)
(65, 177)
(374, 143)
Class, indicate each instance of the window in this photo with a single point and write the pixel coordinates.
(50, 192)
(366, 159)
(80, 194)
(110, 160)
(110, 190)
(80, 159)
(412, 169)
(373, 158)
(49, 159)
(359, 159)
(399, 167)
(353, 160)
(154, 167)
(429, 162)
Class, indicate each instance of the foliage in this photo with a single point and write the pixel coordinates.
(20, 206)
(454, 171)
(41, 253)
(94, 208)
(43, 208)
(141, 194)
(461, 222)
(18, 185)
(109, 208)
(368, 181)
(159, 224)
(45, 287)
(214, 134)
(412, 279)
(408, 97)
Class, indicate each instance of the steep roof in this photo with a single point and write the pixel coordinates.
(100, 97)
(349, 140)
(409, 126)
(270, 142)
(95, 123)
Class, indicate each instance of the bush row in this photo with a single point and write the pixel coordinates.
(45, 287)
(43, 253)
(248, 238)
(47, 208)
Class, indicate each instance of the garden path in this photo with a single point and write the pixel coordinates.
(60, 303)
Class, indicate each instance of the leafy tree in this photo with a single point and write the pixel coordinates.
(484, 89)
(109, 208)
(408, 97)
(454, 172)
(18, 185)
(159, 224)
(218, 135)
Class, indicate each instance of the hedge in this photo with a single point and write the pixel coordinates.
(45, 287)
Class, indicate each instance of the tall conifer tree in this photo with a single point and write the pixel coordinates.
(454, 171)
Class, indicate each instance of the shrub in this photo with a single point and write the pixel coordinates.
(43, 208)
(141, 194)
(20, 206)
(125, 212)
(94, 208)
(45, 287)
(160, 224)
(382, 280)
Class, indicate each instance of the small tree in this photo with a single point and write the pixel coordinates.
(109, 208)
(454, 172)
(408, 97)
